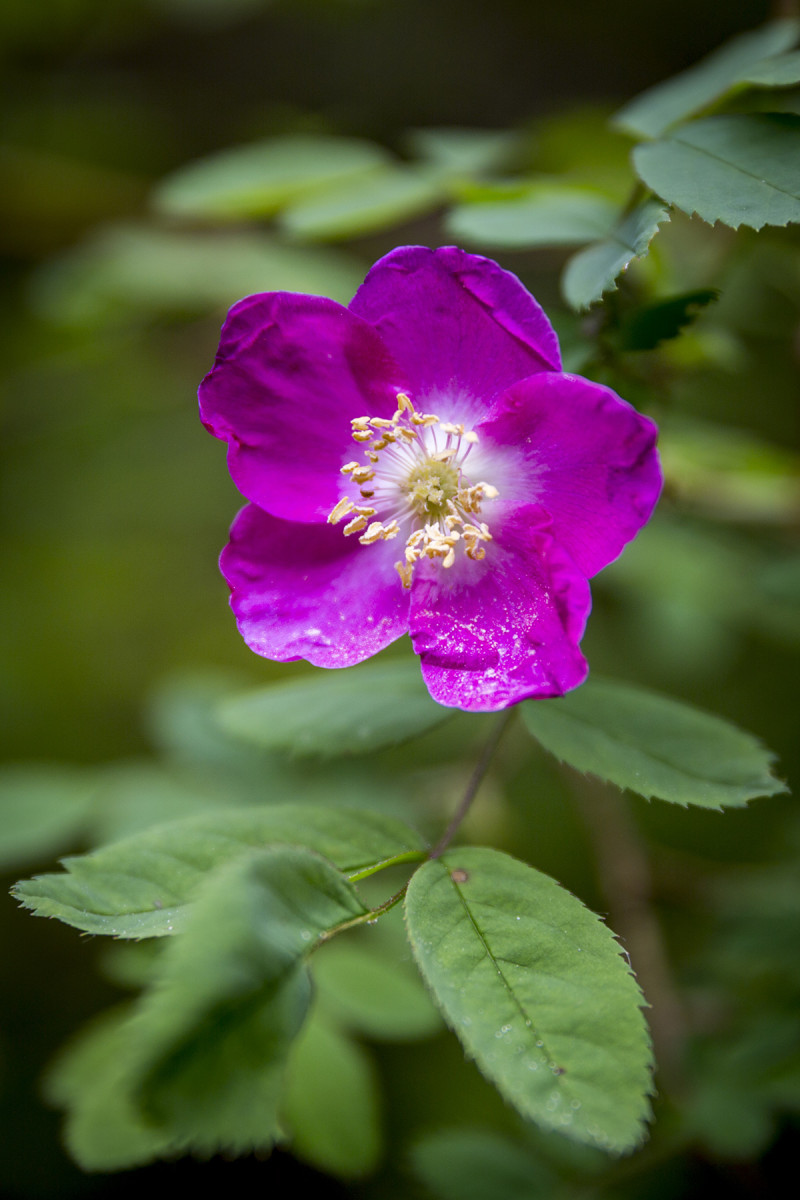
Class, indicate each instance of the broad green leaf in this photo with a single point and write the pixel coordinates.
(593, 271)
(141, 887)
(42, 809)
(646, 327)
(104, 1130)
(547, 215)
(124, 272)
(336, 713)
(457, 152)
(372, 993)
(381, 200)
(780, 71)
(664, 105)
(741, 170)
(537, 990)
(330, 1102)
(652, 745)
(474, 1164)
(259, 179)
(209, 1041)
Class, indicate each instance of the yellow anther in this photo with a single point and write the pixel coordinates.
(489, 492)
(362, 435)
(360, 422)
(448, 427)
(355, 525)
(471, 437)
(380, 423)
(363, 510)
(366, 494)
(374, 531)
(363, 474)
(411, 434)
(404, 403)
(424, 419)
(405, 571)
(340, 510)
(443, 455)
(348, 467)
(372, 457)
(449, 558)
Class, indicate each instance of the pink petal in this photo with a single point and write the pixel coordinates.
(492, 633)
(458, 324)
(290, 374)
(306, 591)
(587, 457)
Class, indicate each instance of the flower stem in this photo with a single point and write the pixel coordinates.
(476, 779)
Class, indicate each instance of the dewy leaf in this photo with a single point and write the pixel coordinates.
(652, 745)
(141, 887)
(385, 198)
(331, 713)
(536, 988)
(593, 271)
(546, 215)
(330, 1102)
(742, 169)
(664, 105)
(209, 1041)
(259, 179)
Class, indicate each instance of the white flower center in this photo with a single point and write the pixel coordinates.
(415, 476)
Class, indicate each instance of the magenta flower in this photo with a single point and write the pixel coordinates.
(418, 463)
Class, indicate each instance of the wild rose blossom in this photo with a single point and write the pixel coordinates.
(418, 463)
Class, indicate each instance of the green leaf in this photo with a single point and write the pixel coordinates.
(141, 887)
(647, 327)
(260, 179)
(652, 745)
(664, 105)
(781, 71)
(741, 169)
(463, 152)
(593, 271)
(330, 1102)
(124, 272)
(209, 1041)
(42, 809)
(536, 988)
(380, 201)
(474, 1164)
(104, 1129)
(372, 993)
(332, 714)
(546, 215)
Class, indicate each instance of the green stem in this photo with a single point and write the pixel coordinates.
(476, 779)
(406, 856)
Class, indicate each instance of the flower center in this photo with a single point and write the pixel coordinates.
(430, 486)
(415, 476)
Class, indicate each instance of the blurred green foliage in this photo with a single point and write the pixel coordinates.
(422, 122)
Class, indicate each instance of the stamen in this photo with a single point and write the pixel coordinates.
(340, 510)
(418, 484)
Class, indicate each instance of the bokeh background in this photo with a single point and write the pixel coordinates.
(116, 502)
